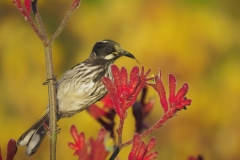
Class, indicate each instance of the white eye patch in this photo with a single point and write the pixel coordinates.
(110, 56)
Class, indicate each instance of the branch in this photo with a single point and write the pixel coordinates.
(73, 7)
(51, 78)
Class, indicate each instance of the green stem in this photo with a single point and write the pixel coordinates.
(41, 33)
(52, 101)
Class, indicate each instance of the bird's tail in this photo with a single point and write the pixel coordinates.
(33, 137)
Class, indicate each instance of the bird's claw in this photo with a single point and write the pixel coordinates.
(47, 129)
(47, 81)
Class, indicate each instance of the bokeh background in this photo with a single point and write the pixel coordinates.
(196, 40)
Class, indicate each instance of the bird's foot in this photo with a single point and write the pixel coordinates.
(47, 129)
(47, 81)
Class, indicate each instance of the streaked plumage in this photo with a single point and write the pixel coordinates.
(77, 89)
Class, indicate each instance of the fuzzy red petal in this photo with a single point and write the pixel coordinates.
(124, 79)
(158, 86)
(11, 149)
(18, 3)
(186, 102)
(135, 147)
(81, 140)
(182, 92)
(142, 82)
(114, 95)
(108, 103)
(134, 81)
(74, 133)
(28, 6)
(73, 146)
(134, 72)
(151, 144)
(117, 78)
(141, 151)
(96, 112)
(101, 134)
(172, 89)
(151, 156)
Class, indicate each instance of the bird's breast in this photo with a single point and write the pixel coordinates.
(76, 94)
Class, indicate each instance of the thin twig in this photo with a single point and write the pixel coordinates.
(74, 6)
(41, 26)
(119, 133)
(120, 130)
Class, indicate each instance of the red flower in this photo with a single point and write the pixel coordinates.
(99, 150)
(28, 5)
(92, 149)
(122, 91)
(140, 151)
(11, 150)
(78, 138)
(176, 101)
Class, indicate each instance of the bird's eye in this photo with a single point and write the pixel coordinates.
(108, 49)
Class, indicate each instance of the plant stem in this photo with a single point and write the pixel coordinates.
(120, 130)
(52, 101)
(41, 27)
(51, 79)
(115, 153)
(51, 87)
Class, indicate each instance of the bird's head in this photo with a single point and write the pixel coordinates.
(108, 51)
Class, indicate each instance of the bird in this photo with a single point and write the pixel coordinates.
(77, 89)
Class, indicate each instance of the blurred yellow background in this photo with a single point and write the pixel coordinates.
(196, 40)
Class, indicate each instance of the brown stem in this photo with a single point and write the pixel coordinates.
(120, 130)
(119, 133)
(52, 101)
(41, 26)
(51, 87)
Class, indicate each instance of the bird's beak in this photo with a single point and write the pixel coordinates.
(127, 54)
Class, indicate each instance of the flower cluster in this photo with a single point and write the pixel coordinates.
(122, 93)
(176, 101)
(141, 151)
(92, 149)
